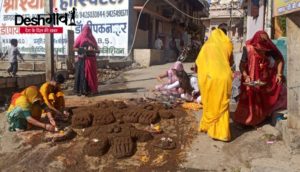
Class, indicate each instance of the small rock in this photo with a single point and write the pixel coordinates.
(268, 129)
(245, 169)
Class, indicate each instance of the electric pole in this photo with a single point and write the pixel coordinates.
(230, 20)
(49, 43)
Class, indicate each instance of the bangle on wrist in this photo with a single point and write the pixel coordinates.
(279, 74)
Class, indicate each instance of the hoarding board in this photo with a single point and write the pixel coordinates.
(282, 7)
(108, 20)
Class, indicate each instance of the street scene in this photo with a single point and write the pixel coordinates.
(149, 85)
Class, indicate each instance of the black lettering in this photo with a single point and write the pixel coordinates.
(103, 2)
(112, 1)
(18, 18)
(35, 21)
(27, 21)
(42, 19)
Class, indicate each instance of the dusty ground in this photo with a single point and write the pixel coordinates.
(27, 151)
(260, 149)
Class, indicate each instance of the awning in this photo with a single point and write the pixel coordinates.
(199, 5)
(152, 13)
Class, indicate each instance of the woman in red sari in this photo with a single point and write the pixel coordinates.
(261, 61)
(86, 66)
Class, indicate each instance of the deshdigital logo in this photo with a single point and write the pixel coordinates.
(43, 19)
(37, 24)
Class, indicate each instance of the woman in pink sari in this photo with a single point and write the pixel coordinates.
(261, 61)
(172, 85)
(86, 66)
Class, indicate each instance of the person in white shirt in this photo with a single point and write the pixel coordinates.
(158, 44)
(188, 86)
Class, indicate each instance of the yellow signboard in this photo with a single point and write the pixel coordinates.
(282, 7)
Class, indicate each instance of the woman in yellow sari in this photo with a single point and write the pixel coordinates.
(215, 79)
(25, 111)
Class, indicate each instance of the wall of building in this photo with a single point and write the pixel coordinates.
(293, 65)
(146, 39)
(221, 12)
(255, 24)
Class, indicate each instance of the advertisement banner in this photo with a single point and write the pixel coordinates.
(108, 20)
(282, 7)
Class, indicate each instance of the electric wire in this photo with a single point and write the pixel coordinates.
(138, 20)
(182, 12)
(136, 28)
(139, 17)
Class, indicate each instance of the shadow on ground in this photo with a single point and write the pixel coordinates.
(116, 91)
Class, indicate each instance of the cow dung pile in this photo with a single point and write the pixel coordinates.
(109, 126)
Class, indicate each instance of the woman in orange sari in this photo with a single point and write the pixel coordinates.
(215, 79)
(261, 61)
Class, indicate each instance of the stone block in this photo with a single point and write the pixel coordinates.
(28, 80)
(4, 65)
(2, 82)
(21, 82)
(11, 82)
(43, 77)
(148, 57)
(33, 80)
(39, 66)
(291, 138)
(294, 121)
(270, 130)
(26, 66)
(293, 39)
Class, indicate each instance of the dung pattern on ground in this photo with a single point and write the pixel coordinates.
(110, 126)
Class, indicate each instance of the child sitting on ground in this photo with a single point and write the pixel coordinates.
(13, 53)
(188, 86)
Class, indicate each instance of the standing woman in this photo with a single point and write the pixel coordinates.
(261, 61)
(215, 79)
(86, 66)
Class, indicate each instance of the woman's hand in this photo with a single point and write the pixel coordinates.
(52, 122)
(49, 127)
(159, 79)
(247, 79)
(278, 79)
(51, 119)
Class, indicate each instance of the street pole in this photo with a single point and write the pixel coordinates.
(71, 54)
(230, 20)
(49, 43)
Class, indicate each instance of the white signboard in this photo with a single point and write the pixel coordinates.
(108, 20)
